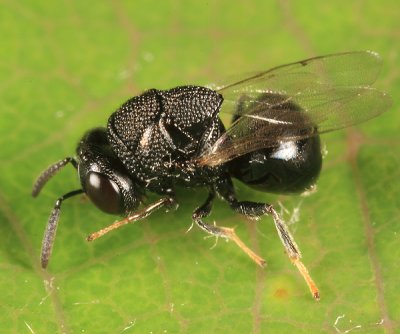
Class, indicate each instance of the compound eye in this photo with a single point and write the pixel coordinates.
(104, 193)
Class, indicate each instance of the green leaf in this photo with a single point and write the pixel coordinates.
(66, 66)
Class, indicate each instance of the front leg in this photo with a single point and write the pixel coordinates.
(168, 202)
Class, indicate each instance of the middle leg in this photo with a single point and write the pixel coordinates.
(220, 231)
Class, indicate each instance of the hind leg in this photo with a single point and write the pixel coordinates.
(255, 210)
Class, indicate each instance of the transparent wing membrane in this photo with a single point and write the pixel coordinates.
(298, 100)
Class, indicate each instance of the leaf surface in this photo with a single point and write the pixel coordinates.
(65, 66)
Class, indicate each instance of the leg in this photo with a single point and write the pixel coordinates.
(50, 172)
(51, 228)
(223, 232)
(168, 202)
(254, 210)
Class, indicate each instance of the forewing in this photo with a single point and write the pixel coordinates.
(330, 93)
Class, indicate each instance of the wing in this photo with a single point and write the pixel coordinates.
(298, 100)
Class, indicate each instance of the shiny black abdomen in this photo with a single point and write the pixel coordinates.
(286, 166)
(290, 167)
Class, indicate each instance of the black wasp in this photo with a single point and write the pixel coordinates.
(162, 139)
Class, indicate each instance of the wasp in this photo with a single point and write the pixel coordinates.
(164, 139)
